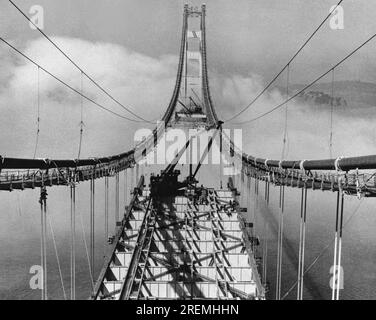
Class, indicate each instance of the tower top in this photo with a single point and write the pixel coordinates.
(191, 103)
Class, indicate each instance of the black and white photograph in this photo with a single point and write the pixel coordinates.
(187, 155)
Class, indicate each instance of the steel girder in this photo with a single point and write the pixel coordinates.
(180, 249)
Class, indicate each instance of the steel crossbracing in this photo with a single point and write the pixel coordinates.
(181, 248)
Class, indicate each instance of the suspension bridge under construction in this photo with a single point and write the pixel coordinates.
(177, 237)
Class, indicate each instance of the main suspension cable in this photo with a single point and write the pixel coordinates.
(76, 65)
(65, 83)
(287, 64)
(310, 84)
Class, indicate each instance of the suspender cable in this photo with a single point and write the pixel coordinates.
(265, 254)
(331, 119)
(300, 243)
(336, 285)
(302, 236)
(43, 215)
(57, 255)
(220, 157)
(241, 187)
(255, 186)
(186, 70)
(92, 225)
(125, 187)
(335, 246)
(132, 178)
(248, 197)
(190, 159)
(265, 236)
(339, 268)
(238, 182)
(252, 209)
(245, 188)
(280, 244)
(86, 250)
(106, 208)
(234, 179)
(266, 190)
(117, 207)
(73, 237)
(303, 243)
(81, 119)
(38, 115)
(321, 254)
(137, 173)
(286, 115)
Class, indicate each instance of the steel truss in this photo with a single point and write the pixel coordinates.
(182, 248)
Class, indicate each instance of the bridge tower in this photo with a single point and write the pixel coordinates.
(191, 104)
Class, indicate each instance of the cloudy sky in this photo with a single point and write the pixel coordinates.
(131, 48)
(245, 35)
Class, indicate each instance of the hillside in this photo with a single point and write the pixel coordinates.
(353, 98)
